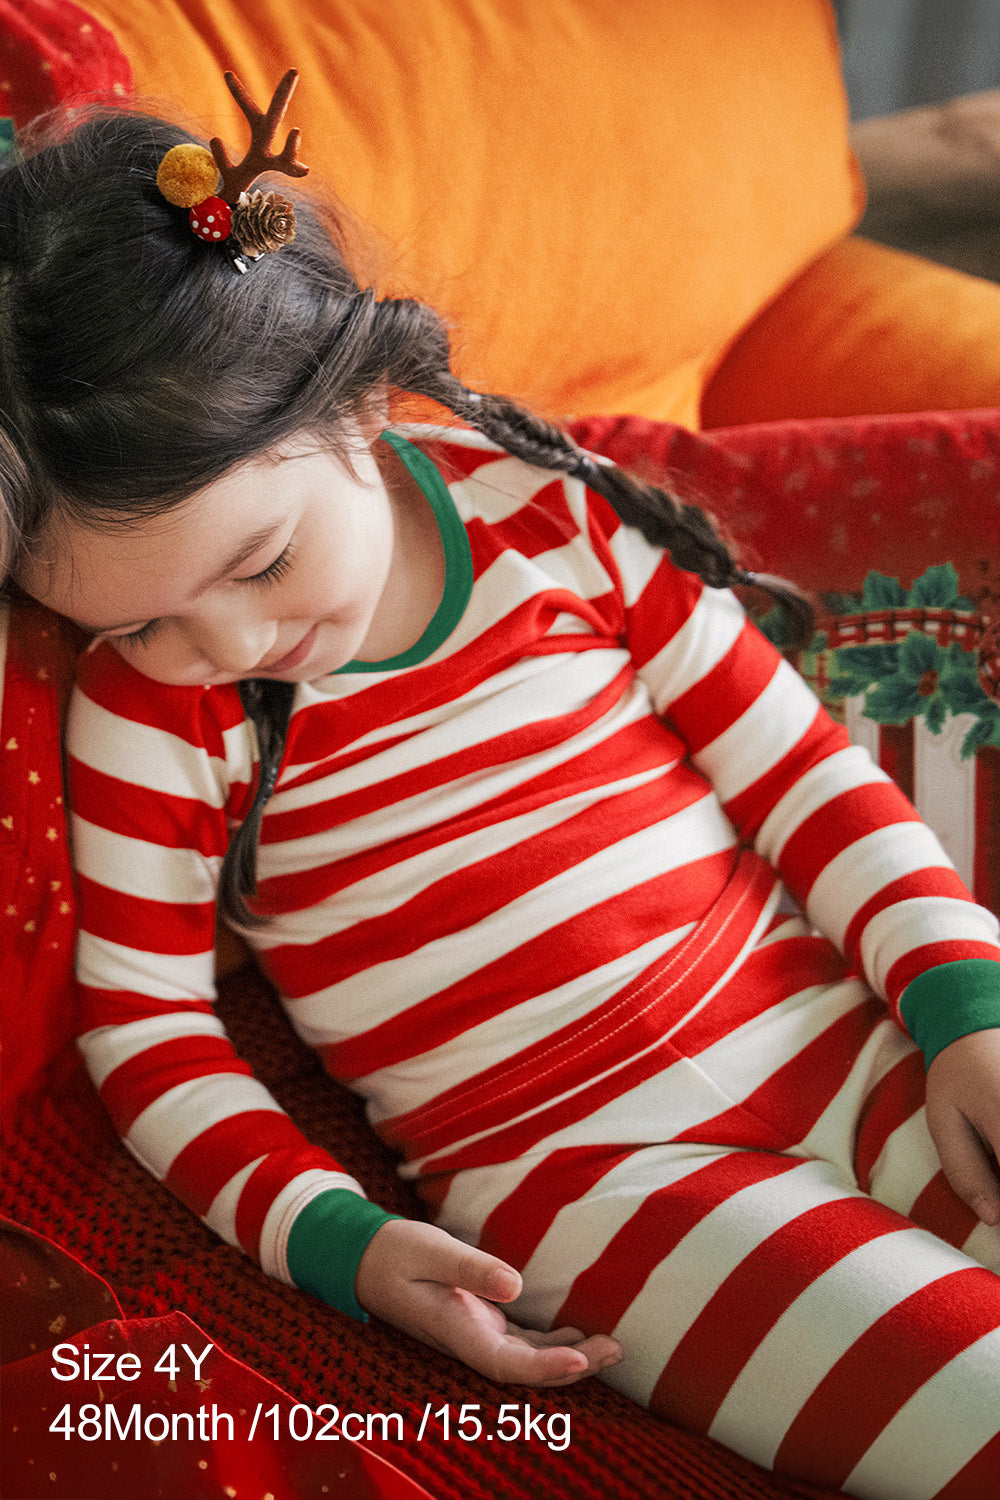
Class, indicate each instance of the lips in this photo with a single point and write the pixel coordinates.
(295, 657)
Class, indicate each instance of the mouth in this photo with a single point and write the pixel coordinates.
(293, 658)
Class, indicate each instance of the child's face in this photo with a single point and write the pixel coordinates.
(275, 570)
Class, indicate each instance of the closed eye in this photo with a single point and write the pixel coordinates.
(270, 574)
(140, 637)
(273, 570)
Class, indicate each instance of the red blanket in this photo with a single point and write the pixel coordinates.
(801, 500)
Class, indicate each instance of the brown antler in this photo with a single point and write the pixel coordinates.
(237, 176)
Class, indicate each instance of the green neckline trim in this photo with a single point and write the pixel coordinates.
(458, 575)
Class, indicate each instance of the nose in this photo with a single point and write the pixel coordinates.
(232, 642)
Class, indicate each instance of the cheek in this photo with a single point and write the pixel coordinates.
(344, 573)
(145, 659)
(162, 660)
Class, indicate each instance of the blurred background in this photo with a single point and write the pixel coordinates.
(901, 53)
(923, 78)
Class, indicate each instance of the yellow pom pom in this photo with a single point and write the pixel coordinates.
(187, 175)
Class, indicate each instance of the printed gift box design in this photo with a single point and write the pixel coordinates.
(915, 676)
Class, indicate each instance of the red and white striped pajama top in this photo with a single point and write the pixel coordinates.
(520, 896)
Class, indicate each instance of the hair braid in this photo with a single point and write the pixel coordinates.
(682, 528)
(405, 344)
(268, 706)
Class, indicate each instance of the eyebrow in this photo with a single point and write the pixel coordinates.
(245, 550)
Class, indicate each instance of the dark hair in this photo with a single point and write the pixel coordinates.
(136, 367)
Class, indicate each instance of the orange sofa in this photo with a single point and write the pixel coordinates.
(623, 208)
(638, 216)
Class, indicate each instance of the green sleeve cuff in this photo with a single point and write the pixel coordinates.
(950, 1001)
(326, 1244)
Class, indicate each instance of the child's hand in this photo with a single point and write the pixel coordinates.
(424, 1281)
(963, 1114)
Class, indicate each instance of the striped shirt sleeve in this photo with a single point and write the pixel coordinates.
(155, 776)
(848, 844)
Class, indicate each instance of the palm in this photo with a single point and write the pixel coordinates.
(425, 1282)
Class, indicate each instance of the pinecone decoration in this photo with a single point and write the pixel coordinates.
(263, 222)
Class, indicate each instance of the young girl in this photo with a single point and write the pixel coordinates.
(482, 756)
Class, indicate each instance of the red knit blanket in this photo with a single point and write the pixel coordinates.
(66, 1176)
(801, 497)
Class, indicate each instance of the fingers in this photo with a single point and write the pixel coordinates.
(405, 1255)
(565, 1356)
(967, 1165)
(474, 1331)
(517, 1363)
(521, 1365)
(553, 1336)
(483, 1275)
(445, 1292)
(453, 1263)
(528, 1357)
(963, 1115)
(600, 1348)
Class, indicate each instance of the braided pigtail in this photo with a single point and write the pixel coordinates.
(268, 706)
(403, 345)
(683, 529)
(692, 540)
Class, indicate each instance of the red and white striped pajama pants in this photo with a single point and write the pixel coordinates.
(742, 1189)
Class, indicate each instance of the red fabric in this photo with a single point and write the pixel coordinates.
(66, 1176)
(37, 911)
(53, 51)
(199, 1392)
(823, 502)
(987, 879)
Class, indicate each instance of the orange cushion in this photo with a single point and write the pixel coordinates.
(599, 196)
(864, 330)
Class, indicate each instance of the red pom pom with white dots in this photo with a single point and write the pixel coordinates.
(212, 219)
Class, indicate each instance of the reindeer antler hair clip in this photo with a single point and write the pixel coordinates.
(217, 191)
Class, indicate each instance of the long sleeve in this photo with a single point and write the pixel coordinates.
(517, 824)
(848, 844)
(156, 775)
